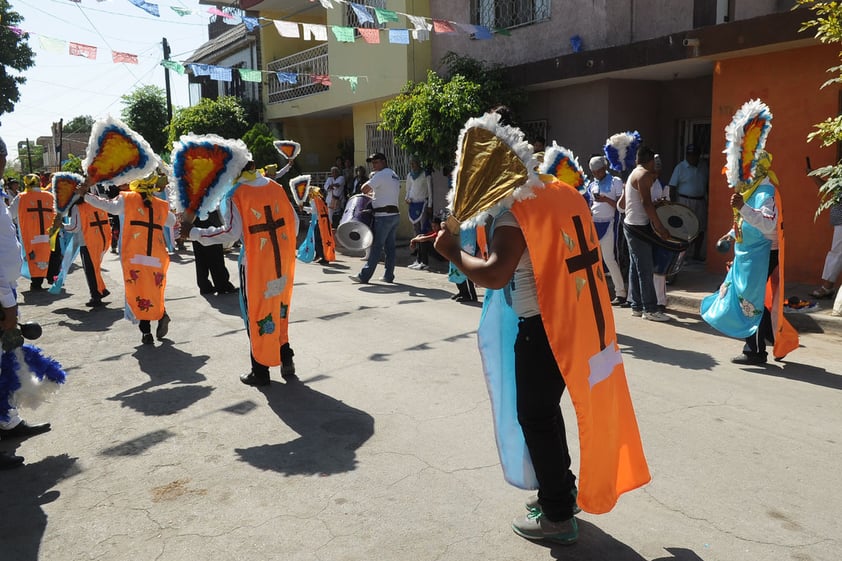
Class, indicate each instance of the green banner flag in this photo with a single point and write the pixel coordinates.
(385, 15)
(249, 75)
(343, 34)
(173, 65)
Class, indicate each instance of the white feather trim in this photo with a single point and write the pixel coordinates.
(735, 135)
(128, 175)
(516, 140)
(32, 392)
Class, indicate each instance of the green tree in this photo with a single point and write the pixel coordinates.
(15, 54)
(224, 116)
(81, 124)
(72, 164)
(259, 140)
(31, 157)
(145, 111)
(426, 117)
(828, 27)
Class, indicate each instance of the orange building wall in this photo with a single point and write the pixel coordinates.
(788, 82)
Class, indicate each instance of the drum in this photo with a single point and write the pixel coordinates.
(679, 220)
(355, 228)
(667, 261)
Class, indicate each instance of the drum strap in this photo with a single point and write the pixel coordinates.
(647, 233)
(388, 208)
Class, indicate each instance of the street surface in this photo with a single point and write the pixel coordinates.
(384, 449)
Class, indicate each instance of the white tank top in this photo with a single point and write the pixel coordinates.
(522, 285)
(635, 213)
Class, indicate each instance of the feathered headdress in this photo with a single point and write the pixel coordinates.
(493, 168)
(64, 189)
(31, 181)
(204, 168)
(116, 154)
(289, 149)
(300, 187)
(621, 150)
(563, 165)
(745, 139)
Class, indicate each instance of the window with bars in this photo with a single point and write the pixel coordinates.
(351, 19)
(534, 129)
(507, 14)
(383, 141)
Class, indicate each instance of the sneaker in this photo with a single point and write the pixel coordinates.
(637, 313)
(625, 304)
(415, 265)
(357, 279)
(163, 327)
(662, 308)
(535, 526)
(618, 301)
(533, 504)
(749, 358)
(147, 339)
(422, 267)
(252, 379)
(656, 316)
(384, 279)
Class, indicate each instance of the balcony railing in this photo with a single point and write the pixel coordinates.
(304, 65)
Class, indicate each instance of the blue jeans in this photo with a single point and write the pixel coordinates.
(641, 266)
(385, 230)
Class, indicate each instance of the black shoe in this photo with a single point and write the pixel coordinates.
(210, 290)
(288, 369)
(230, 289)
(625, 304)
(94, 303)
(36, 287)
(746, 358)
(252, 379)
(323, 262)
(24, 430)
(618, 301)
(9, 461)
(105, 294)
(662, 308)
(147, 339)
(163, 327)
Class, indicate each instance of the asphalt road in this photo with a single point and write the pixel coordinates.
(384, 449)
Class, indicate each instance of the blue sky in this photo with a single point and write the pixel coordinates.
(63, 86)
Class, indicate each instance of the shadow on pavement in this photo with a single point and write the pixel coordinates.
(646, 350)
(165, 364)
(330, 433)
(228, 304)
(594, 543)
(90, 319)
(802, 373)
(22, 495)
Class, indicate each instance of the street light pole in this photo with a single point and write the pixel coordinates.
(166, 46)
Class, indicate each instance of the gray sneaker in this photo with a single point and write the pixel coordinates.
(535, 526)
(533, 504)
(656, 316)
(637, 313)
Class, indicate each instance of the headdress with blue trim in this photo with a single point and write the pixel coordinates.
(621, 150)
(745, 141)
(117, 154)
(561, 163)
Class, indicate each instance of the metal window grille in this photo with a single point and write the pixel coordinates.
(377, 140)
(306, 64)
(509, 13)
(534, 129)
(351, 19)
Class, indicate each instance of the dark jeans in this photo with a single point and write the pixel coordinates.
(539, 389)
(90, 273)
(385, 230)
(641, 286)
(756, 344)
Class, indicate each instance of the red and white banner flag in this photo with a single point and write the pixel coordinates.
(128, 58)
(87, 51)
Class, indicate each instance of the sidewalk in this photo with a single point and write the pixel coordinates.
(693, 283)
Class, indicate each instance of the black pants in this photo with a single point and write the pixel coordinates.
(90, 272)
(210, 262)
(756, 344)
(539, 389)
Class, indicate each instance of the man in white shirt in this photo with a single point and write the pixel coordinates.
(604, 190)
(688, 185)
(384, 185)
(334, 194)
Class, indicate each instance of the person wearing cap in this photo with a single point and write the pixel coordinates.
(688, 185)
(384, 186)
(10, 191)
(334, 191)
(603, 191)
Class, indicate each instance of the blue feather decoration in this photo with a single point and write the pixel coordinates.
(9, 383)
(43, 366)
(621, 150)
